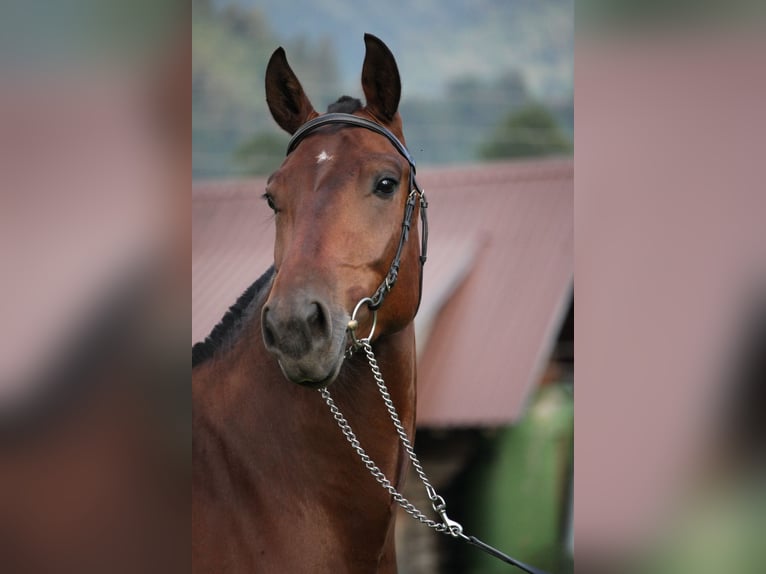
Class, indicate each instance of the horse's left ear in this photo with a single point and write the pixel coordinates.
(380, 80)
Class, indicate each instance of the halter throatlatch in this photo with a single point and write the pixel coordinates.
(416, 194)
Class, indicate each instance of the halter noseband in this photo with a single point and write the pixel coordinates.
(415, 193)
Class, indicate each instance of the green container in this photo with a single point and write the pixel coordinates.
(520, 493)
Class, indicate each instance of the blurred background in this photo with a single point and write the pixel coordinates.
(95, 168)
(481, 80)
(487, 107)
(671, 277)
(95, 165)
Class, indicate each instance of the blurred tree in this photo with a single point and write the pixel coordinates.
(232, 43)
(451, 128)
(315, 63)
(202, 7)
(528, 132)
(262, 154)
(513, 87)
(232, 129)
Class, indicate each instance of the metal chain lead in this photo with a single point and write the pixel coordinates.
(447, 525)
(437, 502)
(375, 471)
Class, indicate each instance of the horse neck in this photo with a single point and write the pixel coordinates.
(278, 439)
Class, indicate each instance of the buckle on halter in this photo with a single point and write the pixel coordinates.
(390, 279)
(419, 194)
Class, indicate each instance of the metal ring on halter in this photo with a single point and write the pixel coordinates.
(353, 324)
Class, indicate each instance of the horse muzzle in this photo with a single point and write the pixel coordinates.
(305, 338)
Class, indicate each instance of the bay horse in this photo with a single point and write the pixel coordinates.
(276, 487)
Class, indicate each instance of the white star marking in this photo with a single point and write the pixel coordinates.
(324, 156)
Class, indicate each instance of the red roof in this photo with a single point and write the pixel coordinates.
(496, 287)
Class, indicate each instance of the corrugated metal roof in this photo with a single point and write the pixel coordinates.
(491, 341)
(497, 283)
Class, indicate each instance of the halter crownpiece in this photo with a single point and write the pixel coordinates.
(415, 193)
(351, 120)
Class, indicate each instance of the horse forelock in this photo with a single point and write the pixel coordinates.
(345, 105)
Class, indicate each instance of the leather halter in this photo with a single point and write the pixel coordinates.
(415, 194)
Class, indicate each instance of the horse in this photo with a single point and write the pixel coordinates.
(275, 486)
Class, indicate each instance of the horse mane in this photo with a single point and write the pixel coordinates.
(228, 327)
(345, 105)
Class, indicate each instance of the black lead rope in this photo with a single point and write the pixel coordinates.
(415, 194)
(501, 556)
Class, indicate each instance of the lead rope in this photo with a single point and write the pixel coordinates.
(446, 526)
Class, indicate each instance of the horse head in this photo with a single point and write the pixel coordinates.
(339, 200)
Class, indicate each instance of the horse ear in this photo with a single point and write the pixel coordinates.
(380, 79)
(289, 105)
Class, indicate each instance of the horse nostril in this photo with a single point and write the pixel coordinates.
(318, 320)
(293, 331)
(268, 331)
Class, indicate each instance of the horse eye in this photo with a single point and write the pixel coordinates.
(386, 186)
(270, 202)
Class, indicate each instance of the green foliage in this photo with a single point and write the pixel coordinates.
(233, 133)
(262, 154)
(451, 128)
(529, 132)
(230, 49)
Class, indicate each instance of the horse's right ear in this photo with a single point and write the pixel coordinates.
(287, 101)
